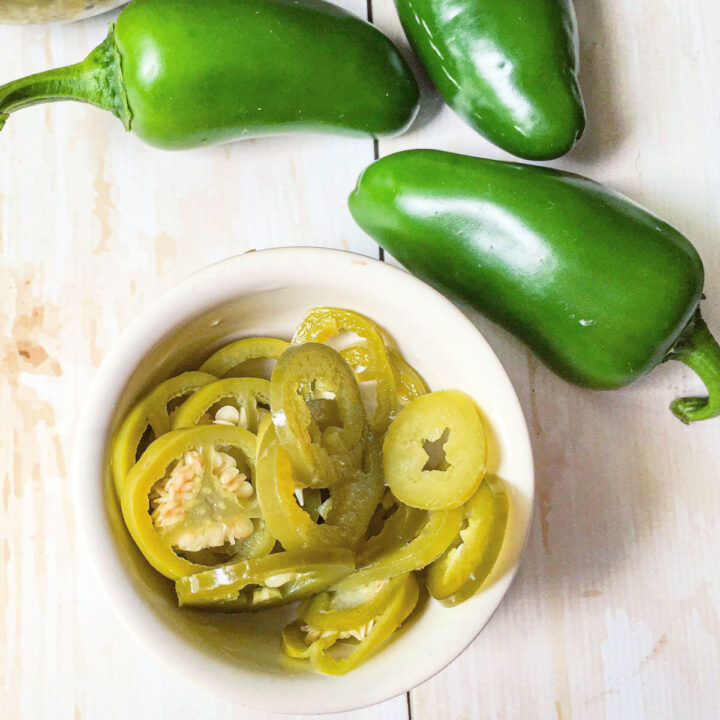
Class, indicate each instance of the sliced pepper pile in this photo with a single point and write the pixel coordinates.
(250, 493)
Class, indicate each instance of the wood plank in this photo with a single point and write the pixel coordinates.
(616, 611)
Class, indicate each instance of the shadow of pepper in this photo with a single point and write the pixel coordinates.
(599, 80)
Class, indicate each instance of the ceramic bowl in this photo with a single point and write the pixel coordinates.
(266, 293)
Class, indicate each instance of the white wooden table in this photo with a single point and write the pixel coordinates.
(616, 611)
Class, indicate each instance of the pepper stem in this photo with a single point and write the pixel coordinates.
(699, 350)
(96, 80)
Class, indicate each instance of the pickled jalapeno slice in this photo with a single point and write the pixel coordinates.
(447, 417)
(150, 416)
(321, 324)
(322, 456)
(192, 492)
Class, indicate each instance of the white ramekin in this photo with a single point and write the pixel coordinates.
(266, 293)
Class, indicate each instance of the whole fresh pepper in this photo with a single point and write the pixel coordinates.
(507, 67)
(598, 287)
(182, 73)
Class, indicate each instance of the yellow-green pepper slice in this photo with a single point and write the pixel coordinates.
(236, 353)
(150, 412)
(212, 505)
(462, 569)
(375, 635)
(447, 414)
(353, 502)
(397, 530)
(260, 583)
(257, 545)
(408, 381)
(243, 394)
(349, 609)
(320, 324)
(440, 529)
(322, 457)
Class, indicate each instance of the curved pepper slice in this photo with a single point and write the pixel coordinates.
(257, 545)
(245, 394)
(434, 538)
(236, 353)
(398, 529)
(269, 581)
(320, 324)
(321, 457)
(407, 380)
(430, 418)
(349, 609)
(218, 505)
(353, 502)
(151, 411)
(481, 541)
(392, 617)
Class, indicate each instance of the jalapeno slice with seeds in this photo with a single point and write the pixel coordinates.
(322, 456)
(370, 637)
(345, 610)
(187, 493)
(448, 415)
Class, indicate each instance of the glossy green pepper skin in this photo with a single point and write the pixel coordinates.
(507, 67)
(182, 73)
(598, 287)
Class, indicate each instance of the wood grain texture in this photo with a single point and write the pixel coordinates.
(616, 611)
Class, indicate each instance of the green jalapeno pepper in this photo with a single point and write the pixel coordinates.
(353, 502)
(322, 457)
(321, 324)
(429, 418)
(151, 412)
(211, 505)
(260, 583)
(231, 356)
(182, 74)
(507, 67)
(243, 394)
(599, 288)
(373, 636)
(465, 565)
(440, 529)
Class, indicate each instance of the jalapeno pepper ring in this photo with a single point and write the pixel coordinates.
(244, 393)
(428, 418)
(353, 503)
(321, 457)
(451, 570)
(236, 353)
(392, 617)
(320, 324)
(349, 609)
(407, 380)
(151, 411)
(440, 529)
